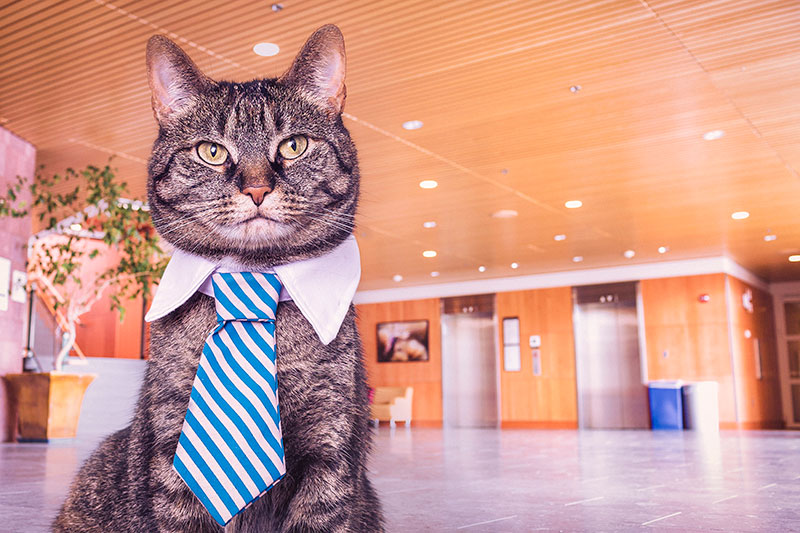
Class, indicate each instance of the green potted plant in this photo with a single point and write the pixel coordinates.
(62, 267)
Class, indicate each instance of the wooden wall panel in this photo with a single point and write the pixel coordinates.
(759, 397)
(674, 301)
(549, 400)
(129, 331)
(101, 333)
(688, 339)
(425, 377)
(96, 332)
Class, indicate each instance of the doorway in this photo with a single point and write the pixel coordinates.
(611, 394)
(469, 362)
(788, 326)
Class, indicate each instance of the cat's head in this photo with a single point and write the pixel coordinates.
(263, 172)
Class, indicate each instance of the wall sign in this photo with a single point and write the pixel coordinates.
(19, 280)
(512, 358)
(510, 331)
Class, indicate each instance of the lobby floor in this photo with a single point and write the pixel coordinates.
(516, 480)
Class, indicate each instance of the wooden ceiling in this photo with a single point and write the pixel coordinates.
(502, 129)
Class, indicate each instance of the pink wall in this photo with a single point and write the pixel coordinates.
(17, 157)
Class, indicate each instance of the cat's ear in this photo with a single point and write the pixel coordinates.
(175, 80)
(318, 70)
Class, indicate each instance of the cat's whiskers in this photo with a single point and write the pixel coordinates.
(339, 213)
(214, 204)
(339, 225)
(178, 240)
(181, 240)
(315, 209)
(310, 209)
(191, 217)
(172, 225)
(332, 219)
(296, 210)
(327, 217)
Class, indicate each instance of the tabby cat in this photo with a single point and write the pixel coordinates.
(306, 207)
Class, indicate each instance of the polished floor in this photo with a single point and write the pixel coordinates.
(517, 480)
(489, 480)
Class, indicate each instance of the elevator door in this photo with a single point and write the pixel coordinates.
(610, 390)
(469, 370)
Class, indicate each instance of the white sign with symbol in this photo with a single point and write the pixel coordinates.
(18, 281)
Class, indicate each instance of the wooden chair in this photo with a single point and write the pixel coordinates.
(392, 404)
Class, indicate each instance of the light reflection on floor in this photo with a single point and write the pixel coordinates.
(516, 480)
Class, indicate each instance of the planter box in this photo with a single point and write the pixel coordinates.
(48, 403)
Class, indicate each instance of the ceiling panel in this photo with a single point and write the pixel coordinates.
(491, 82)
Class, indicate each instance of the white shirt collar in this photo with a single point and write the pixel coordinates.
(322, 287)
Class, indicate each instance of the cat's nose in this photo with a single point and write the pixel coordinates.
(257, 194)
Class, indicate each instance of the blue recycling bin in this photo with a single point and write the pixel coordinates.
(666, 404)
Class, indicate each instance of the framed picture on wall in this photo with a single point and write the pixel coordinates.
(402, 341)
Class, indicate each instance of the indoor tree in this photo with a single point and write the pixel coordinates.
(82, 213)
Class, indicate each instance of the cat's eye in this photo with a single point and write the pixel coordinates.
(212, 153)
(293, 147)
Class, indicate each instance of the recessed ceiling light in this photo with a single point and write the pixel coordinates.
(428, 184)
(577, 259)
(629, 254)
(575, 88)
(713, 135)
(504, 213)
(560, 237)
(429, 253)
(398, 277)
(663, 249)
(429, 224)
(514, 265)
(276, 7)
(75, 226)
(412, 125)
(769, 237)
(794, 258)
(481, 268)
(740, 215)
(573, 204)
(266, 49)
(434, 274)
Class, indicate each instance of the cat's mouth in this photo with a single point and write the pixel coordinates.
(256, 230)
(259, 217)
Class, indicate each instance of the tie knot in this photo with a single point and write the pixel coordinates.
(246, 296)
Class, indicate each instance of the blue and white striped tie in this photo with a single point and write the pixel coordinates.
(230, 451)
